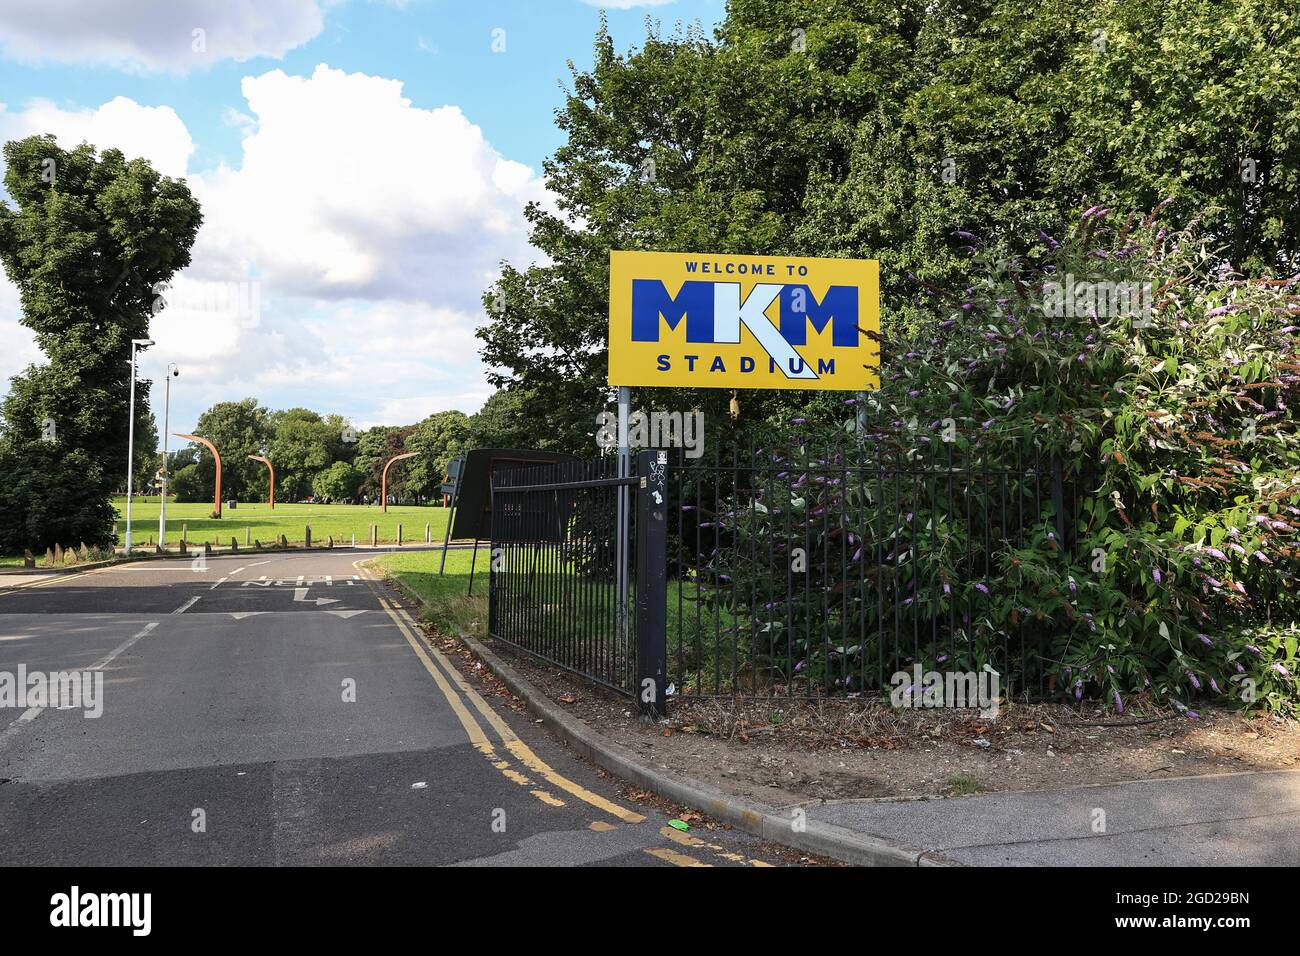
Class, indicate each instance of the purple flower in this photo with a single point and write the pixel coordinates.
(1205, 639)
(1119, 704)
(1254, 650)
(1281, 670)
(982, 589)
(1192, 677)
(1155, 573)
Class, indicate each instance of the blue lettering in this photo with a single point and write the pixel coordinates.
(839, 307)
(650, 300)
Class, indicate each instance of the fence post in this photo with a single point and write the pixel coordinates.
(1058, 504)
(652, 582)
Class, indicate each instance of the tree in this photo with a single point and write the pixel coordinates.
(339, 482)
(882, 130)
(147, 457)
(237, 429)
(437, 440)
(302, 445)
(186, 485)
(92, 237)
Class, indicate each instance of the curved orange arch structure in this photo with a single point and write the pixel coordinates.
(383, 481)
(271, 468)
(215, 457)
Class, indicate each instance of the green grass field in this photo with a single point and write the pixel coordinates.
(290, 520)
(448, 603)
(698, 641)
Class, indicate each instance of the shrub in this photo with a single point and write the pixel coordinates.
(1163, 566)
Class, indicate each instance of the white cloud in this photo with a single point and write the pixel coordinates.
(341, 264)
(153, 36)
(348, 191)
(156, 133)
(17, 343)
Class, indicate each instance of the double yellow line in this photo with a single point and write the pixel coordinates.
(465, 700)
(458, 691)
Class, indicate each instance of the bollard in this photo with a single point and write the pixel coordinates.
(248, 535)
(234, 545)
(308, 544)
(374, 535)
(354, 539)
(185, 534)
(184, 548)
(331, 542)
(427, 538)
(29, 559)
(399, 535)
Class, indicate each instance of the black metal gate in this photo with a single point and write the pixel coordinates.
(578, 571)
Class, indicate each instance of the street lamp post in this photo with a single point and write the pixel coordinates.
(172, 372)
(130, 438)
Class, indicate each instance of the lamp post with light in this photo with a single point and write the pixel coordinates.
(130, 438)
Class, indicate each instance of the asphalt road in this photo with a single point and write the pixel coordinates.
(284, 709)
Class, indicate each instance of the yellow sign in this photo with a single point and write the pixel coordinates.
(713, 321)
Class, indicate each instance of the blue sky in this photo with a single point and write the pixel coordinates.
(362, 166)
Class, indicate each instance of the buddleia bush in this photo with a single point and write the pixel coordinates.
(1112, 416)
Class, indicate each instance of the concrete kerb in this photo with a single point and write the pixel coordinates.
(217, 552)
(815, 837)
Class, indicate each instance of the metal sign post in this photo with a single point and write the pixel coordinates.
(624, 470)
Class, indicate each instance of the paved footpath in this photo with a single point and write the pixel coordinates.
(283, 709)
(1238, 819)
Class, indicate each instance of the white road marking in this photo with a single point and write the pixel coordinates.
(25, 718)
(187, 605)
(108, 658)
(219, 583)
(346, 614)
(300, 594)
(31, 713)
(236, 571)
(240, 615)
